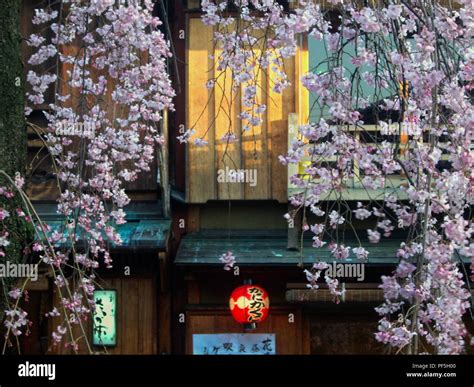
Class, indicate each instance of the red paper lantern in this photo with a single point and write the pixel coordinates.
(249, 304)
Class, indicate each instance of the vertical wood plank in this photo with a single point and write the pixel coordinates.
(129, 316)
(200, 171)
(164, 318)
(301, 92)
(194, 292)
(193, 220)
(254, 142)
(142, 314)
(146, 302)
(116, 284)
(227, 109)
(306, 337)
(164, 167)
(292, 134)
(280, 106)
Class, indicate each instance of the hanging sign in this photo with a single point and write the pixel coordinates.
(234, 344)
(104, 331)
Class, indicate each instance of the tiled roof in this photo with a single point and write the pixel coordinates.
(145, 228)
(264, 247)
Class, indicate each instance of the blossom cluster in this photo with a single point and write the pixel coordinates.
(251, 44)
(332, 284)
(406, 69)
(114, 79)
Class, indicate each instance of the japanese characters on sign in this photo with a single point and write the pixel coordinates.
(104, 331)
(234, 344)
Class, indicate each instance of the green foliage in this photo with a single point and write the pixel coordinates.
(13, 136)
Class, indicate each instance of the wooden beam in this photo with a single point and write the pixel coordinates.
(294, 229)
(301, 68)
(193, 221)
(163, 267)
(200, 169)
(324, 295)
(194, 294)
(164, 168)
(164, 323)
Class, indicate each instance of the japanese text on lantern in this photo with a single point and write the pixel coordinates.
(257, 303)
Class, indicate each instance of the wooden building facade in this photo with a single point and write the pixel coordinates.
(176, 288)
(248, 220)
(169, 283)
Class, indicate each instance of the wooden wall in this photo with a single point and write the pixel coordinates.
(136, 319)
(212, 113)
(351, 333)
(291, 338)
(42, 184)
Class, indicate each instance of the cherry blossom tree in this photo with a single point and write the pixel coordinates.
(410, 63)
(416, 60)
(111, 95)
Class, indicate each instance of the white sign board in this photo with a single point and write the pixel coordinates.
(234, 344)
